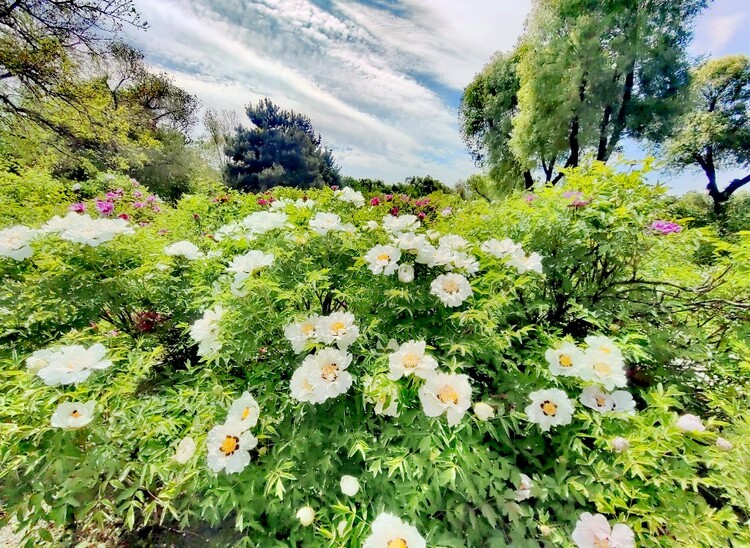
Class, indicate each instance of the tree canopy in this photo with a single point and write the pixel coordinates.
(280, 149)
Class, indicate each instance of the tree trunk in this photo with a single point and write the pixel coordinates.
(528, 180)
(619, 126)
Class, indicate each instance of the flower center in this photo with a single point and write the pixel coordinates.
(411, 361)
(601, 542)
(549, 408)
(230, 445)
(397, 543)
(384, 257)
(307, 329)
(450, 287)
(603, 368)
(565, 361)
(245, 413)
(75, 414)
(448, 395)
(330, 372)
(600, 401)
(338, 327)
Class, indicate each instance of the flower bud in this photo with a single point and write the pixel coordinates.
(306, 515)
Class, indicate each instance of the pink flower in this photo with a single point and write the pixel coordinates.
(530, 197)
(134, 182)
(151, 199)
(78, 208)
(447, 211)
(394, 211)
(104, 207)
(156, 208)
(421, 215)
(163, 232)
(334, 187)
(665, 227)
(138, 205)
(389, 197)
(137, 194)
(262, 201)
(593, 531)
(375, 201)
(124, 216)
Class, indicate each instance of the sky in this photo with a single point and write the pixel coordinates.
(381, 80)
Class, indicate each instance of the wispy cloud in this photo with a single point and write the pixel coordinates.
(380, 80)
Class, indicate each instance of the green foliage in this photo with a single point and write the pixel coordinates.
(682, 327)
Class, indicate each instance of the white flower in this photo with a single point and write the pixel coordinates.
(406, 273)
(184, 249)
(323, 223)
(593, 531)
(525, 263)
(338, 328)
(624, 402)
(549, 408)
(14, 242)
(299, 333)
(690, 423)
(524, 488)
(603, 344)
(39, 360)
(604, 368)
(243, 266)
(724, 444)
(244, 411)
(403, 223)
(566, 360)
(349, 485)
(234, 231)
(229, 447)
(383, 259)
(261, 222)
(389, 531)
(300, 203)
(410, 359)
(206, 331)
(453, 242)
(411, 242)
(73, 364)
(446, 393)
(381, 391)
(371, 225)
(348, 194)
(460, 261)
(327, 373)
(71, 415)
(484, 411)
(502, 249)
(427, 254)
(620, 444)
(301, 385)
(185, 450)
(85, 230)
(280, 204)
(595, 398)
(433, 234)
(76, 187)
(306, 516)
(451, 289)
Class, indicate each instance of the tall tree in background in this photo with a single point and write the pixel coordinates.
(586, 75)
(281, 148)
(715, 132)
(220, 125)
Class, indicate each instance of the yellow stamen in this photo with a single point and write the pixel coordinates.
(384, 257)
(411, 361)
(245, 413)
(600, 401)
(330, 372)
(565, 361)
(230, 445)
(397, 543)
(603, 368)
(447, 394)
(75, 414)
(549, 408)
(601, 542)
(307, 329)
(450, 287)
(338, 327)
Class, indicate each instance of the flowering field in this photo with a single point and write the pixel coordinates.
(564, 368)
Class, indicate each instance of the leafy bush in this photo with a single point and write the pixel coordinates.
(491, 290)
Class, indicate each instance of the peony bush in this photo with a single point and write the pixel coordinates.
(331, 369)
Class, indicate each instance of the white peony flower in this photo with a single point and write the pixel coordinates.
(549, 408)
(85, 230)
(484, 411)
(502, 249)
(73, 364)
(371, 225)
(604, 368)
(39, 360)
(565, 360)
(229, 447)
(307, 204)
(403, 223)
(383, 259)
(406, 273)
(71, 415)
(624, 402)
(453, 242)
(328, 374)
(451, 289)
(233, 231)
(323, 223)
(410, 242)
(525, 263)
(620, 444)
(349, 485)
(184, 249)
(461, 261)
(14, 242)
(185, 450)
(280, 204)
(724, 444)
(603, 344)
(306, 516)
(690, 423)
(389, 531)
(410, 359)
(523, 492)
(348, 194)
(338, 328)
(206, 331)
(260, 222)
(594, 531)
(446, 393)
(299, 333)
(243, 266)
(301, 385)
(595, 398)
(244, 411)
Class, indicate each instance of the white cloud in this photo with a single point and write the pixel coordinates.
(716, 31)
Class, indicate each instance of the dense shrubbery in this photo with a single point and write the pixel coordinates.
(190, 327)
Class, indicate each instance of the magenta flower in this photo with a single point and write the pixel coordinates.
(530, 197)
(262, 201)
(665, 227)
(389, 197)
(394, 211)
(124, 216)
(137, 194)
(375, 201)
(421, 215)
(138, 205)
(156, 208)
(151, 199)
(78, 208)
(104, 207)
(334, 187)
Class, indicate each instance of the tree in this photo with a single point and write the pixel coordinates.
(586, 75)
(220, 125)
(715, 132)
(281, 148)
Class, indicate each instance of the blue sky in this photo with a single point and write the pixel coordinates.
(380, 79)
